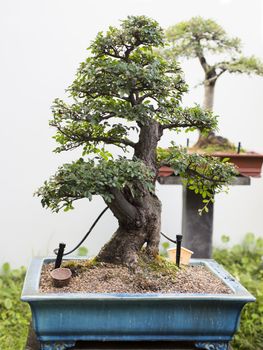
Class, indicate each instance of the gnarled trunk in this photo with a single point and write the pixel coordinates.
(128, 240)
(139, 218)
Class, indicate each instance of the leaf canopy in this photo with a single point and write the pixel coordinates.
(122, 87)
(124, 79)
(83, 179)
(199, 37)
(204, 174)
(248, 65)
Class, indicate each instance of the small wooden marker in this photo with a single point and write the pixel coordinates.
(61, 277)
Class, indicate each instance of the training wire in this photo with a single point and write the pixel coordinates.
(92, 227)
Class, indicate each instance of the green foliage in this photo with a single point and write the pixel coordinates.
(213, 148)
(14, 315)
(225, 239)
(189, 118)
(122, 87)
(203, 174)
(135, 31)
(160, 265)
(122, 79)
(199, 37)
(82, 251)
(163, 249)
(82, 179)
(245, 263)
(249, 65)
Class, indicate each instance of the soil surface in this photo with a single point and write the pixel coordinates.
(160, 277)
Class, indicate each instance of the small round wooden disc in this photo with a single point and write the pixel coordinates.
(61, 276)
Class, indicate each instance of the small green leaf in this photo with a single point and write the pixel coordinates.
(225, 238)
(83, 251)
(7, 303)
(165, 245)
(6, 268)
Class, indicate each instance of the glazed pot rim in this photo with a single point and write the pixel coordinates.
(31, 287)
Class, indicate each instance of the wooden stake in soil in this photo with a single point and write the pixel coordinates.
(61, 277)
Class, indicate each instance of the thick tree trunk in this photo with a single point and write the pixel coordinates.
(209, 96)
(208, 103)
(128, 240)
(211, 140)
(139, 218)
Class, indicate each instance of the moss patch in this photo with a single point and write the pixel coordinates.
(159, 265)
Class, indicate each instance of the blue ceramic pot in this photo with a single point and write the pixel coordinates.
(209, 320)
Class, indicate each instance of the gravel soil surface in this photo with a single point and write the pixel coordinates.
(160, 277)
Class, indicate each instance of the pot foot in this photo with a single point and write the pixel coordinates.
(54, 345)
(212, 345)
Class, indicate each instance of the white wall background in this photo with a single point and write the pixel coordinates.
(42, 43)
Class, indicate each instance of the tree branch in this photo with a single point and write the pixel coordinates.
(142, 98)
(223, 70)
(85, 138)
(128, 51)
(197, 173)
(110, 140)
(108, 94)
(182, 125)
(203, 62)
(213, 79)
(124, 211)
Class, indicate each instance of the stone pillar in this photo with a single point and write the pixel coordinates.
(197, 230)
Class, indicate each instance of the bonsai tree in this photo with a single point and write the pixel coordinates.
(125, 96)
(202, 39)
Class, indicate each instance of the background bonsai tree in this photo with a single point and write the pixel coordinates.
(206, 40)
(125, 96)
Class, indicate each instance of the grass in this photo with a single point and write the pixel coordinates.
(14, 315)
(244, 262)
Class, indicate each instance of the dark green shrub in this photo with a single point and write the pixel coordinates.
(14, 315)
(245, 263)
